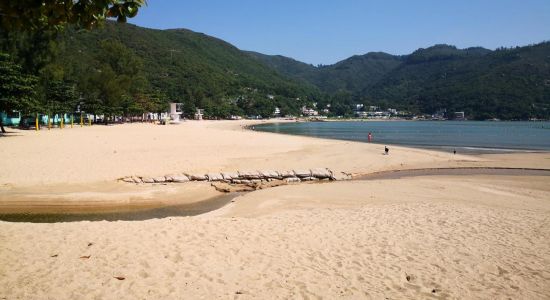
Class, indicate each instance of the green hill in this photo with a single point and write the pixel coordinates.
(505, 83)
(175, 65)
(180, 60)
(353, 74)
(126, 69)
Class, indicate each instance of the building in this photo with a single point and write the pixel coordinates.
(361, 114)
(309, 112)
(277, 112)
(199, 114)
(459, 115)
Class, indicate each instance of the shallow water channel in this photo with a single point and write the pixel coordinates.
(130, 213)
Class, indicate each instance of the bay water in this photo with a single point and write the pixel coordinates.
(462, 136)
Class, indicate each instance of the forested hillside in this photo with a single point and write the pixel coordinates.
(505, 83)
(122, 69)
(126, 69)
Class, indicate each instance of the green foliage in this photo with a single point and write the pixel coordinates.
(188, 67)
(61, 96)
(506, 83)
(17, 90)
(30, 15)
(352, 74)
(112, 81)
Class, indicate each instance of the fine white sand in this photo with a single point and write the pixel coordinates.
(478, 238)
(457, 237)
(105, 153)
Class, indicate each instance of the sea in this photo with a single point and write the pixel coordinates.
(462, 136)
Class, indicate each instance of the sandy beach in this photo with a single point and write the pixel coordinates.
(443, 237)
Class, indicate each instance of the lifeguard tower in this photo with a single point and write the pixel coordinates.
(175, 113)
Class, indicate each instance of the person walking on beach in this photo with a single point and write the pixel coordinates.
(370, 137)
(386, 150)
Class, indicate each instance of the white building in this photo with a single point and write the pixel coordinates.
(309, 112)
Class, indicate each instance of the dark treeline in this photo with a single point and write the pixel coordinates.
(125, 70)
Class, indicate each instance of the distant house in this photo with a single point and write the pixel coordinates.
(361, 114)
(459, 115)
(309, 112)
(277, 112)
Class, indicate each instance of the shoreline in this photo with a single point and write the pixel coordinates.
(469, 149)
(450, 236)
(54, 211)
(110, 195)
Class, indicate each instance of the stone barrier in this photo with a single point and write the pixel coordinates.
(250, 177)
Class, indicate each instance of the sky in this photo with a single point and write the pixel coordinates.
(327, 31)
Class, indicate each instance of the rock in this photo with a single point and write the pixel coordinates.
(214, 177)
(321, 173)
(241, 181)
(136, 179)
(180, 178)
(230, 175)
(302, 173)
(159, 179)
(292, 179)
(197, 177)
(147, 180)
(256, 181)
(250, 175)
(270, 174)
(310, 178)
(286, 174)
(128, 179)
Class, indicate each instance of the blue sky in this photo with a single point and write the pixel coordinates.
(326, 31)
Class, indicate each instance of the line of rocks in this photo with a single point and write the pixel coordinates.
(246, 177)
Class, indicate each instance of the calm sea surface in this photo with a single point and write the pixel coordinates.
(464, 136)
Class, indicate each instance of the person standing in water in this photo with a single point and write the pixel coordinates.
(370, 137)
(386, 150)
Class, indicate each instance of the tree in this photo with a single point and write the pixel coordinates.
(61, 97)
(17, 90)
(114, 82)
(30, 15)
